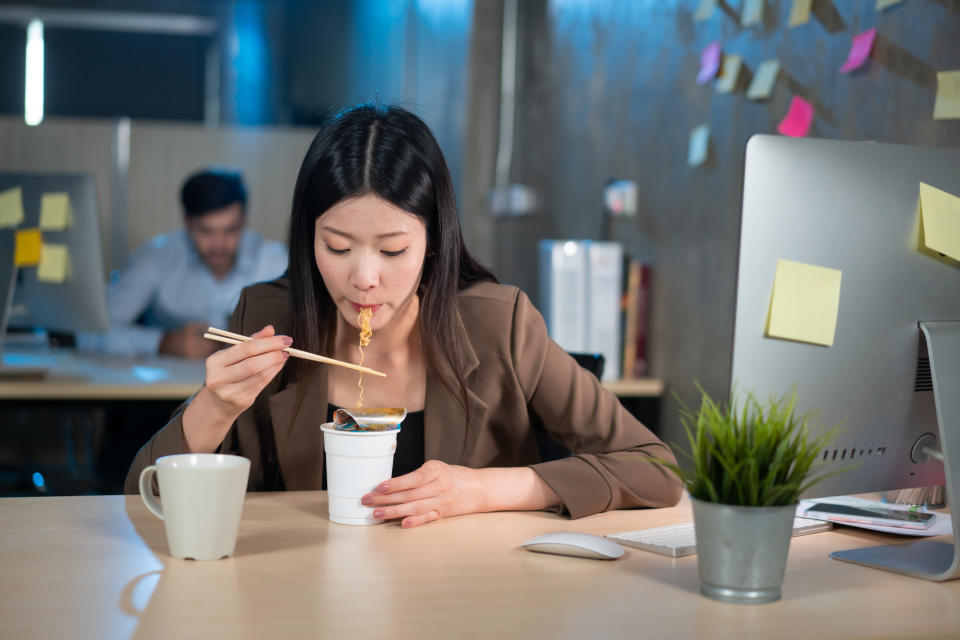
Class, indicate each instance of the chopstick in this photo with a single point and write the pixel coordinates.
(219, 335)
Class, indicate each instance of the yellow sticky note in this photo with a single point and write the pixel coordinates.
(27, 243)
(947, 106)
(704, 10)
(55, 211)
(940, 217)
(805, 303)
(761, 87)
(729, 74)
(11, 207)
(54, 263)
(800, 12)
(883, 4)
(699, 145)
(752, 13)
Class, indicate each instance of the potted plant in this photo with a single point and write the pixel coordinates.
(747, 466)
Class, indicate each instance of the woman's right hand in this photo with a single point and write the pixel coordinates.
(235, 377)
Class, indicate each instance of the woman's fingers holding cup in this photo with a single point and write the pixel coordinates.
(447, 490)
(415, 521)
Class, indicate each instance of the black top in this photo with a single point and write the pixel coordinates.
(409, 455)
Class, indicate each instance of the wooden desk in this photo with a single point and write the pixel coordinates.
(74, 375)
(97, 567)
(77, 375)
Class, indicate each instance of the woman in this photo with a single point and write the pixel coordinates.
(374, 224)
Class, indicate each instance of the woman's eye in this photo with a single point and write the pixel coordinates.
(337, 251)
(393, 254)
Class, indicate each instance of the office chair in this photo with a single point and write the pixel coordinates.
(549, 449)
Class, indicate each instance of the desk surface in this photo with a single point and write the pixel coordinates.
(73, 375)
(98, 567)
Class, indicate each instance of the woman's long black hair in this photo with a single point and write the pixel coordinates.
(388, 152)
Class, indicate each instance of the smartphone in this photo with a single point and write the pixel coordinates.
(876, 515)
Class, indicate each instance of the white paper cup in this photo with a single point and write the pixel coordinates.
(357, 461)
(202, 500)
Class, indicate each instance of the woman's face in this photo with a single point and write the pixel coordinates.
(370, 253)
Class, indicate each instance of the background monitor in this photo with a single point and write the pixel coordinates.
(80, 302)
(852, 206)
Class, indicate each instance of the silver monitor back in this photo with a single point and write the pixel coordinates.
(851, 206)
(80, 303)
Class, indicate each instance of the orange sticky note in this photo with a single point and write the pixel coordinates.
(27, 243)
(54, 263)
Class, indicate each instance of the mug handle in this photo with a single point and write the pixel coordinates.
(146, 491)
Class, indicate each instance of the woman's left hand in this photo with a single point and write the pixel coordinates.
(435, 490)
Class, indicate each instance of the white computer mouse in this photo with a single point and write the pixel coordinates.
(570, 543)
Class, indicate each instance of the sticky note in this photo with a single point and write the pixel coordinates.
(55, 211)
(751, 13)
(947, 106)
(699, 145)
(940, 217)
(709, 62)
(705, 10)
(11, 207)
(805, 303)
(798, 120)
(761, 87)
(859, 50)
(800, 12)
(730, 73)
(54, 263)
(883, 4)
(26, 251)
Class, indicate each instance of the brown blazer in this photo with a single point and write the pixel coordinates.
(515, 373)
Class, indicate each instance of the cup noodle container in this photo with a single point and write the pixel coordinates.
(357, 461)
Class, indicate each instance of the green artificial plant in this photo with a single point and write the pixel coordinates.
(756, 454)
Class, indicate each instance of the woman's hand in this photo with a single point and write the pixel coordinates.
(440, 490)
(235, 377)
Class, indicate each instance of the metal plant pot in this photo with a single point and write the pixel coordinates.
(742, 551)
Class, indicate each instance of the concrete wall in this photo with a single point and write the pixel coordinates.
(608, 90)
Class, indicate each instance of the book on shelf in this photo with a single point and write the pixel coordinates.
(581, 283)
(636, 300)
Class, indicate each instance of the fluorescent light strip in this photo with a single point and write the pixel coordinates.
(33, 81)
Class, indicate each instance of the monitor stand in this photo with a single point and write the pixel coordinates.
(8, 279)
(931, 559)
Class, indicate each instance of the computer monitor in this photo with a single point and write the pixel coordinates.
(79, 303)
(894, 366)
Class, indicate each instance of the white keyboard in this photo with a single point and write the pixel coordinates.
(677, 540)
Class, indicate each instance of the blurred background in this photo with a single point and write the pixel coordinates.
(538, 105)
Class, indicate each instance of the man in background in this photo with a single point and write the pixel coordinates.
(180, 282)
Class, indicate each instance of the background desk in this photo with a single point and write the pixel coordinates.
(97, 567)
(82, 424)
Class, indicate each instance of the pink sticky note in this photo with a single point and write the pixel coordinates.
(796, 123)
(709, 63)
(859, 50)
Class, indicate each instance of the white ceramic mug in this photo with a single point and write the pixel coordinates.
(202, 495)
(357, 461)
